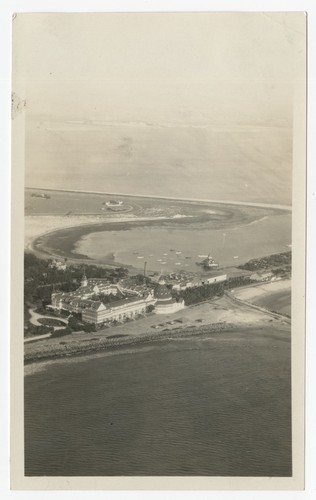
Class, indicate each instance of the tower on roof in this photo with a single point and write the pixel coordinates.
(165, 303)
(84, 280)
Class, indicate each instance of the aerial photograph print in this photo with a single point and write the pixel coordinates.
(158, 237)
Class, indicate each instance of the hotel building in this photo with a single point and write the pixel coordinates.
(135, 302)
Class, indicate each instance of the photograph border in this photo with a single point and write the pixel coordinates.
(298, 345)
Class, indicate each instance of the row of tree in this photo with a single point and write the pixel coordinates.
(41, 278)
(208, 291)
(274, 260)
(199, 294)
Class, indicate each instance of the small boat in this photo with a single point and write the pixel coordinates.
(236, 257)
(41, 195)
(208, 263)
(140, 256)
(178, 253)
(165, 254)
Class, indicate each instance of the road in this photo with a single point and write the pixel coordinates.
(36, 316)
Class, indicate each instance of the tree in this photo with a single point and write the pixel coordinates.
(89, 327)
(74, 324)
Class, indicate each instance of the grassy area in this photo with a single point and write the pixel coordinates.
(51, 322)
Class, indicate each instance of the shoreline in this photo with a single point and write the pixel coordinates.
(107, 344)
(118, 345)
(222, 315)
(170, 198)
(59, 238)
(81, 230)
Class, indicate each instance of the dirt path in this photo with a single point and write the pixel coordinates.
(36, 316)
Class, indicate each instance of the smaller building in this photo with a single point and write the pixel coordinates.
(219, 278)
(263, 276)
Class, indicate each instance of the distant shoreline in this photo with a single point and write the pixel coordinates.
(196, 200)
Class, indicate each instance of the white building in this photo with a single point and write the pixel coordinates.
(214, 279)
(165, 304)
(130, 307)
(135, 303)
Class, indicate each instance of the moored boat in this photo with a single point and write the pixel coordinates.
(208, 263)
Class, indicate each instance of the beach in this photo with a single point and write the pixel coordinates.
(38, 225)
(273, 296)
(220, 314)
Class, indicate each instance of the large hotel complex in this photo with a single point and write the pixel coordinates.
(135, 301)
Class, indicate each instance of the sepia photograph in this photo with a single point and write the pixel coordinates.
(158, 178)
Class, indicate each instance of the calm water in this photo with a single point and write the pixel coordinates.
(154, 244)
(210, 405)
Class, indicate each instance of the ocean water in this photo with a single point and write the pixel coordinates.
(211, 405)
(158, 245)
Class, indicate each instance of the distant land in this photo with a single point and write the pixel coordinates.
(147, 196)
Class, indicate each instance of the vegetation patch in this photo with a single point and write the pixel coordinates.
(41, 278)
(275, 260)
(118, 336)
(36, 331)
(199, 294)
(50, 322)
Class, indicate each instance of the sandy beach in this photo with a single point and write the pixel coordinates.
(274, 296)
(37, 225)
(40, 225)
(256, 291)
(216, 315)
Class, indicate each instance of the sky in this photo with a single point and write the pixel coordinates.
(190, 105)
